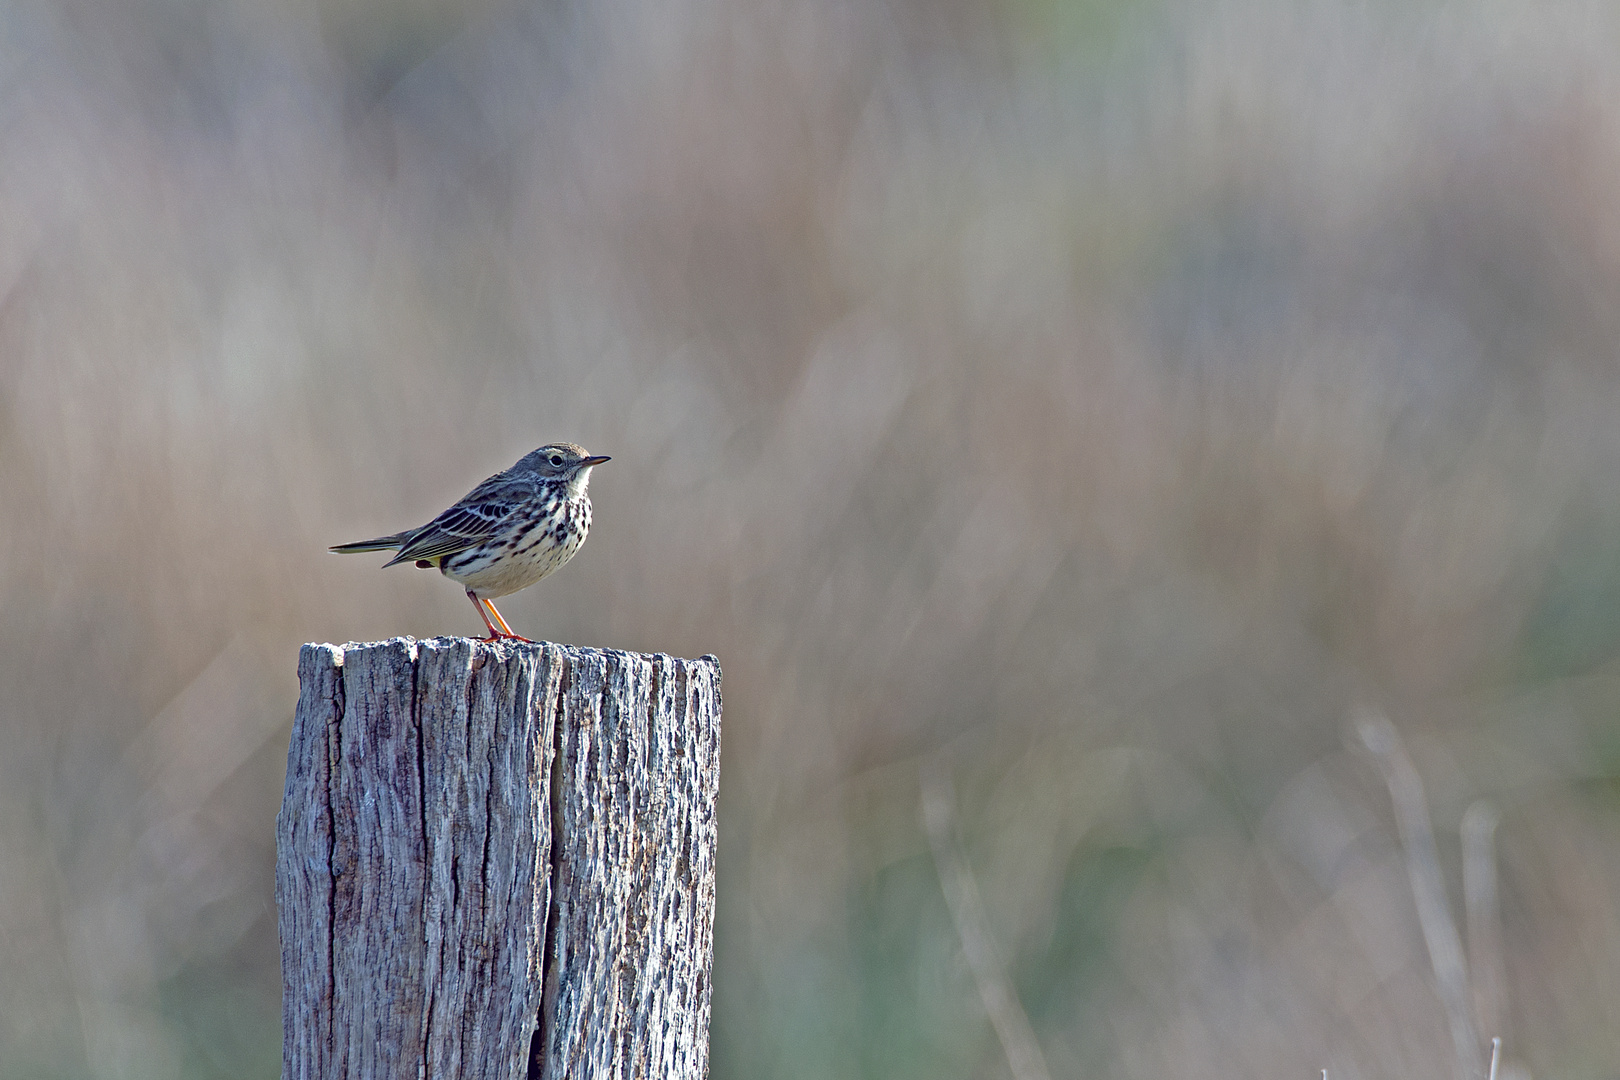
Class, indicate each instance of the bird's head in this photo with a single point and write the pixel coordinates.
(567, 462)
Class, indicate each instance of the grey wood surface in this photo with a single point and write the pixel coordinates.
(497, 860)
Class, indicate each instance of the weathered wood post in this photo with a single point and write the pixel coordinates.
(497, 860)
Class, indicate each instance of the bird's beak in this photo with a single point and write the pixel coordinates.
(597, 460)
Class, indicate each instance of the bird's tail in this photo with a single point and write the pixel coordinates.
(382, 543)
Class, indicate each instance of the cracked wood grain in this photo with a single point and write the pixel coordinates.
(497, 860)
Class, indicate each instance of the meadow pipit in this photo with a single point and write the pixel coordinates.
(507, 533)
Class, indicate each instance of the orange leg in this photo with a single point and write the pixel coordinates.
(494, 634)
(482, 614)
(504, 628)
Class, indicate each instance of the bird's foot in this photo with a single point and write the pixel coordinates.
(508, 637)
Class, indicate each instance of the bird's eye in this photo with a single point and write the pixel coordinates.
(556, 461)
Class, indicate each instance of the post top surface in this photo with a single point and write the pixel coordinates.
(500, 648)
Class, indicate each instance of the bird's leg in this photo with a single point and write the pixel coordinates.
(486, 608)
(506, 630)
(479, 604)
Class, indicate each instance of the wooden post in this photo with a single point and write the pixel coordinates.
(497, 861)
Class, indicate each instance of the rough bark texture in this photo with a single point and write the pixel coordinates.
(497, 860)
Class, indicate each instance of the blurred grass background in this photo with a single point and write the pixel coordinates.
(1095, 400)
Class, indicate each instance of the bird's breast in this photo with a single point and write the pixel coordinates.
(535, 542)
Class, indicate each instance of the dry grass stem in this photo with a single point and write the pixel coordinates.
(1379, 736)
(1024, 1056)
(1482, 916)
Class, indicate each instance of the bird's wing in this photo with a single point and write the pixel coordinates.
(471, 521)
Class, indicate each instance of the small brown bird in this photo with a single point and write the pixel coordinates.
(507, 533)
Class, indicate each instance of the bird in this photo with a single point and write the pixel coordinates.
(505, 534)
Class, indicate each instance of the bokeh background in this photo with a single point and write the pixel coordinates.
(1086, 406)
